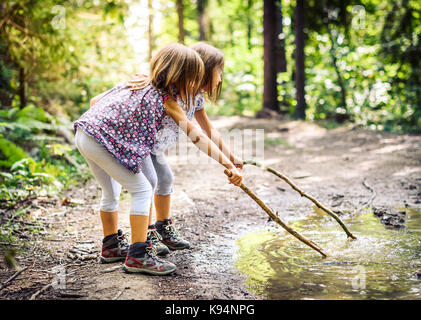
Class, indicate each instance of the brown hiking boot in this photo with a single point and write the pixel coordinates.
(142, 258)
(155, 238)
(170, 236)
(114, 248)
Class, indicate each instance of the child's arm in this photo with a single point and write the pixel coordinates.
(200, 140)
(205, 124)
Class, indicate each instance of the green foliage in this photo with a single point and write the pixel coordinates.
(32, 131)
(9, 153)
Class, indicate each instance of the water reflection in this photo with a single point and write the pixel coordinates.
(380, 264)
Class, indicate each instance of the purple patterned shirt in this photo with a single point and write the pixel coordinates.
(126, 123)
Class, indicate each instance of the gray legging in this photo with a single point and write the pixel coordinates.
(156, 176)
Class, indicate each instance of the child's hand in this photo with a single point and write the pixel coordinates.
(135, 81)
(235, 177)
(238, 163)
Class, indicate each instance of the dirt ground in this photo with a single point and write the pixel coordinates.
(331, 165)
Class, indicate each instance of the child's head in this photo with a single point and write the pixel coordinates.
(213, 60)
(178, 65)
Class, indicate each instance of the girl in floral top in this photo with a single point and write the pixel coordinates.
(116, 137)
(162, 177)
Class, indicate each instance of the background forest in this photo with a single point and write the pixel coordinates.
(329, 61)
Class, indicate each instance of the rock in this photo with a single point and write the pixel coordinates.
(379, 212)
(389, 218)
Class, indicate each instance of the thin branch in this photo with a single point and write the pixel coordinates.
(8, 15)
(118, 295)
(303, 194)
(26, 31)
(9, 281)
(279, 221)
(369, 202)
(36, 294)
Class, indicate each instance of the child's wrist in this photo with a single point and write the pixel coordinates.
(229, 166)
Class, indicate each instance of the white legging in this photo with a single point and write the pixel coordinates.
(155, 176)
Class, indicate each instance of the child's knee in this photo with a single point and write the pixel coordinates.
(109, 204)
(141, 201)
(165, 183)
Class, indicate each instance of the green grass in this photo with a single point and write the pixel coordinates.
(276, 142)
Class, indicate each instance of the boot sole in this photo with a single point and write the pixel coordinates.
(111, 260)
(175, 248)
(152, 272)
(163, 253)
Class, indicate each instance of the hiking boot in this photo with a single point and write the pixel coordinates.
(142, 258)
(170, 236)
(114, 248)
(155, 238)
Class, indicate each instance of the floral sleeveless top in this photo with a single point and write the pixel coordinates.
(126, 123)
(170, 132)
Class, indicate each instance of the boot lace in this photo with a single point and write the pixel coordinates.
(171, 231)
(151, 252)
(154, 236)
(123, 242)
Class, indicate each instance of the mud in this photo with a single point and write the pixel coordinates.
(330, 165)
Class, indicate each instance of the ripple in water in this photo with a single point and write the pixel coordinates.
(380, 264)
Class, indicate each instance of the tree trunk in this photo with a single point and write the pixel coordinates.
(202, 19)
(150, 30)
(280, 42)
(22, 87)
(274, 54)
(181, 31)
(338, 72)
(300, 108)
(340, 117)
(249, 23)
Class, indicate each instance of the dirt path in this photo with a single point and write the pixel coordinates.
(212, 214)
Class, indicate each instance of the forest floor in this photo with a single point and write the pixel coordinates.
(211, 214)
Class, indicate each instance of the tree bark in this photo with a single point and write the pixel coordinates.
(280, 42)
(202, 19)
(272, 52)
(300, 108)
(180, 12)
(249, 23)
(22, 87)
(340, 117)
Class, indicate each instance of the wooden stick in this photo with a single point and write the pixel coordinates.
(36, 294)
(277, 220)
(303, 194)
(9, 281)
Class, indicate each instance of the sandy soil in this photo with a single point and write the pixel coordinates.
(328, 164)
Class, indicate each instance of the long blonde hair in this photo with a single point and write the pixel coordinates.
(212, 58)
(175, 64)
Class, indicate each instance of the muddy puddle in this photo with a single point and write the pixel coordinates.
(381, 264)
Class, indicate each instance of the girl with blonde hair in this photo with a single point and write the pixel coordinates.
(116, 137)
(163, 233)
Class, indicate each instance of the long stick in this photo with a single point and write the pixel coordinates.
(9, 281)
(303, 194)
(276, 218)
